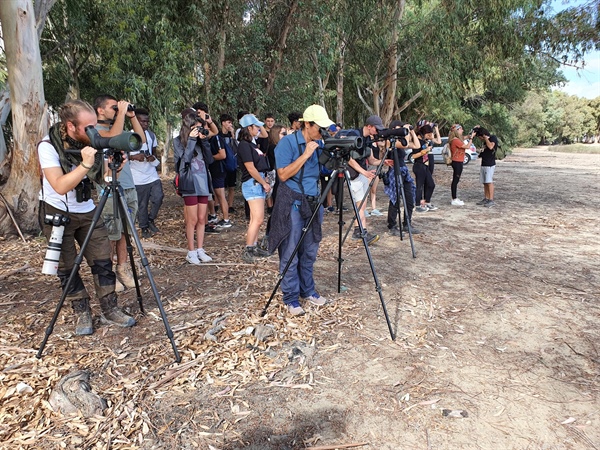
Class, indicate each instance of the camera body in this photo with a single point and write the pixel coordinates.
(201, 130)
(56, 220)
(478, 131)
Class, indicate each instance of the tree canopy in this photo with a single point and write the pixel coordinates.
(444, 60)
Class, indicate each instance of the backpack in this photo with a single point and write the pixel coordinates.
(447, 154)
(230, 163)
(500, 153)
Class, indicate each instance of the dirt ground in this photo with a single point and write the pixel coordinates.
(496, 320)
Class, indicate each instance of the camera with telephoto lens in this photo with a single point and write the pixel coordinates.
(477, 131)
(58, 222)
(130, 107)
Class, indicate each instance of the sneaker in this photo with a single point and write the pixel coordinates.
(356, 234)
(431, 207)
(210, 229)
(224, 224)
(367, 213)
(213, 219)
(490, 204)
(192, 258)
(260, 253)
(372, 238)
(295, 309)
(330, 209)
(376, 212)
(231, 210)
(153, 227)
(457, 202)
(124, 275)
(202, 256)
(146, 233)
(394, 231)
(248, 255)
(482, 202)
(413, 230)
(316, 299)
(421, 208)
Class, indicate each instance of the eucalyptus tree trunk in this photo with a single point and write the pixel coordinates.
(339, 114)
(391, 81)
(164, 158)
(29, 113)
(280, 47)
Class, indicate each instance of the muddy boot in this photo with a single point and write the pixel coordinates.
(112, 314)
(124, 275)
(81, 308)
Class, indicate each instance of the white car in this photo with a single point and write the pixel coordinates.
(436, 152)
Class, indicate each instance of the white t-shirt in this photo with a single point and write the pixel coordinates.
(48, 157)
(144, 172)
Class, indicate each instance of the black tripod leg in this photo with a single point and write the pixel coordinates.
(371, 264)
(295, 252)
(400, 193)
(123, 208)
(146, 265)
(76, 265)
(340, 200)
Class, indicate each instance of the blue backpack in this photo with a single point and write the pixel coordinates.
(230, 163)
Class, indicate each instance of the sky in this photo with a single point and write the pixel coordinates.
(584, 82)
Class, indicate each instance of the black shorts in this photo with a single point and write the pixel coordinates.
(230, 179)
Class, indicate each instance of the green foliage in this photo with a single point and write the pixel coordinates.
(472, 62)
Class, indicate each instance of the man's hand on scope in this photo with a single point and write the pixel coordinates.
(88, 155)
(310, 148)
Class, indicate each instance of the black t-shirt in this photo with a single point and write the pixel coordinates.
(424, 144)
(216, 168)
(249, 152)
(401, 152)
(488, 156)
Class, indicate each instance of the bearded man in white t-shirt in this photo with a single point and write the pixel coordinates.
(65, 191)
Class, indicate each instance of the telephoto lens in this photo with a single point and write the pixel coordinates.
(50, 266)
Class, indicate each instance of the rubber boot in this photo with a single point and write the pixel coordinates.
(112, 314)
(81, 308)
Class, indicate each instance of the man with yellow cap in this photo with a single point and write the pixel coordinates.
(297, 163)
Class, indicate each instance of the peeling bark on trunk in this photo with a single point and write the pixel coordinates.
(164, 158)
(29, 111)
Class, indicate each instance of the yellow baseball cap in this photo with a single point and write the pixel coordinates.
(318, 115)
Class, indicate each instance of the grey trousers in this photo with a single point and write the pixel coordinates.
(151, 193)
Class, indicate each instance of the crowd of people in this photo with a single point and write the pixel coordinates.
(277, 168)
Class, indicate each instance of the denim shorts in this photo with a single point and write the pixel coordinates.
(252, 190)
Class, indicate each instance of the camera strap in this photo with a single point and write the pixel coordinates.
(302, 168)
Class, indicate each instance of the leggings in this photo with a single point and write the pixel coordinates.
(457, 168)
(425, 183)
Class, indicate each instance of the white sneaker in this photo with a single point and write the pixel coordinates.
(202, 256)
(457, 202)
(192, 258)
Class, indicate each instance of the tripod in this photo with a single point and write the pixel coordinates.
(341, 171)
(120, 206)
(399, 194)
